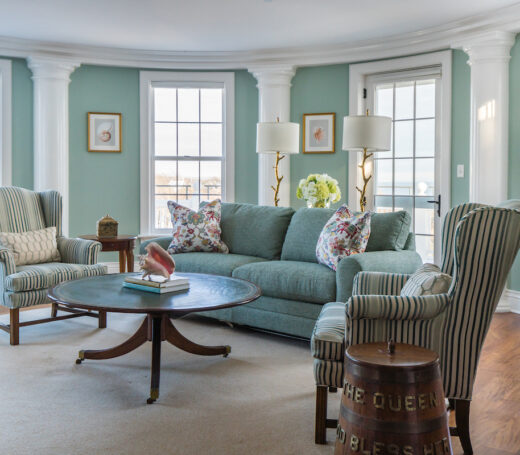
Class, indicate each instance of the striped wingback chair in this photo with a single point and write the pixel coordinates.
(479, 246)
(22, 210)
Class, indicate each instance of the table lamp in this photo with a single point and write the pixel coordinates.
(367, 134)
(282, 138)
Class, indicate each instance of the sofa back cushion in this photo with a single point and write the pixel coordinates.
(255, 230)
(389, 231)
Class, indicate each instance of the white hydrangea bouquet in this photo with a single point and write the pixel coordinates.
(319, 190)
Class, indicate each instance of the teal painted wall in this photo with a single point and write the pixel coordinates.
(22, 124)
(460, 114)
(314, 90)
(514, 142)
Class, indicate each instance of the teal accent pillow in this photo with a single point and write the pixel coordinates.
(389, 231)
(254, 230)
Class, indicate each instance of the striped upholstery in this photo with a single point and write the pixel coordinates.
(454, 324)
(43, 276)
(378, 283)
(328, 336)
(328, 373)
(23, 210)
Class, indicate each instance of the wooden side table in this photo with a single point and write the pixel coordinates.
(123, 243)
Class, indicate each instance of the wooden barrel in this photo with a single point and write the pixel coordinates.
(392, 402)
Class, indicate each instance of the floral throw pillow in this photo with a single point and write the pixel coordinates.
(196, 231)
(344, 234)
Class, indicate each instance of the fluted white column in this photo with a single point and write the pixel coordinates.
(274, 93)
(489, 56)
(51, 77)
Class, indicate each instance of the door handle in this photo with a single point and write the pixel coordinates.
(438, 202)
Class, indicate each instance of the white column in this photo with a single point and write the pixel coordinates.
(274, 96)
(51, 126)
(489, 56)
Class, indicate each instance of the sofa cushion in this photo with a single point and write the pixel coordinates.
(43, 276)
(32, 247)
(291, 280)
(213, 263)
(255, 230)
(389, 231)
(328, 336)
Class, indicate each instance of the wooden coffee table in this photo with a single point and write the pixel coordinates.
(106, 293)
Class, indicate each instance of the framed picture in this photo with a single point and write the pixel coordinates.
(318, 132)
(104, 132)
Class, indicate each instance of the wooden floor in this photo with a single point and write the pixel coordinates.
(495, 409)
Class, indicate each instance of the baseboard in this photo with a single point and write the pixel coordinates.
(113, 267)
(510, 302)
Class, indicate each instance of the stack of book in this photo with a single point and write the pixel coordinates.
(157, 284)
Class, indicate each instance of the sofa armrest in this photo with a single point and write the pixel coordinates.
(379, 283)
(7, 258)
(162, 241)
(78, 251)
(374, 261)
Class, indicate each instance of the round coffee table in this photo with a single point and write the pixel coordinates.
(207, 292)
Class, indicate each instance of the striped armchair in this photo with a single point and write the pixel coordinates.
(479, 246)
(21, 286)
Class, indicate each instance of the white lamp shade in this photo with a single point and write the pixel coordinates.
(363, 131)
(283, 137)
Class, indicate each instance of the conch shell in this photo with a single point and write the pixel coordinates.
(156, 262)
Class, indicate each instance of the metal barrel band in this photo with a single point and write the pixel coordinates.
(383, 426)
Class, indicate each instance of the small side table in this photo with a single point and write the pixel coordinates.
(123, 243)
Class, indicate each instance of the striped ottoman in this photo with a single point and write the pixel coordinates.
(328, 350)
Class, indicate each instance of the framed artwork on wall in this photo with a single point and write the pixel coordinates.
(104, 132)
(319, 132)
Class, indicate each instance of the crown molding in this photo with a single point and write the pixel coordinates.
(449, 35)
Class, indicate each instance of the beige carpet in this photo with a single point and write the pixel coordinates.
(260, 400)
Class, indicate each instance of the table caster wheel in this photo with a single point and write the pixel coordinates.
(228, 351)
(78, 361)
(150, 401)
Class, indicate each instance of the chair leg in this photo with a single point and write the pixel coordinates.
(102, 319)
(54, 310)
(320, 435)
(14, 330)
(462, 422)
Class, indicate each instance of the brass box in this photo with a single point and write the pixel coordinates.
(107, 227)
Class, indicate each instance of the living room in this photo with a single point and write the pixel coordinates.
(322, 176)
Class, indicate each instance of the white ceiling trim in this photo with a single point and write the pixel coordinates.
(452, 34)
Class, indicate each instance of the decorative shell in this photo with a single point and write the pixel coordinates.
(156, 262)
(107, 227)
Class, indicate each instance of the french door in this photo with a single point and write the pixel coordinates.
(408, 176)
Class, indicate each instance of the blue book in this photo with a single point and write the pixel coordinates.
(139, 287)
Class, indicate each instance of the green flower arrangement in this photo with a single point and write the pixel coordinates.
(319, 190)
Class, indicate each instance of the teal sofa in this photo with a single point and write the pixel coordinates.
(274, 247)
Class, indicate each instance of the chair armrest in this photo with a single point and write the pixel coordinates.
(379, 283)
(162, 241)
(403, 261)
(78, 251)
(8, 260)
(395, 307)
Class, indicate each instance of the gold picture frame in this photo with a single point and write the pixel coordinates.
(319, 133)
(104, 132)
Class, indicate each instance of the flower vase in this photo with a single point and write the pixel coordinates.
(319, 204)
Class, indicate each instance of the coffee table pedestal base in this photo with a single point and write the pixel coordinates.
(155, 328)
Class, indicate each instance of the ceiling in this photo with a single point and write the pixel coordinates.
(227, 25)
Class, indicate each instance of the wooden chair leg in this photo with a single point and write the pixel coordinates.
(462, 421)
(320, 431)
(54, 310)
(14, 330)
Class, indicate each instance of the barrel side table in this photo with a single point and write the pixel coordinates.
(392, 402)
(124, 244)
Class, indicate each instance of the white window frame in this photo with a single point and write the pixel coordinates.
(358, 75)
(147, 81)
(5, 123)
